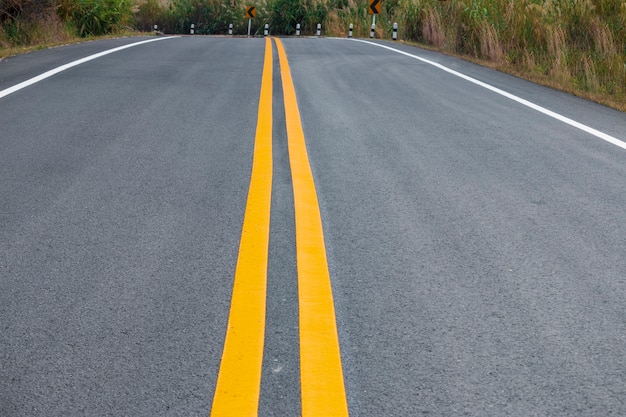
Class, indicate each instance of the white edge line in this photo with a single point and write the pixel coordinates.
(54, 71)
(557, 116)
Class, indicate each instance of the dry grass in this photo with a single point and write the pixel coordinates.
(490, 45)
(9, 51)
(556, 61)
(433, 29)
(48, 30)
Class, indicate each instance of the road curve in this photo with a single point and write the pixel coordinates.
(475, 245)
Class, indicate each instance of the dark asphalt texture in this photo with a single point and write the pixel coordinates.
(477, 248)
(124, 182)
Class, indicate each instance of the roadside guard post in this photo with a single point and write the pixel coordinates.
(395, 32)
(298, 29)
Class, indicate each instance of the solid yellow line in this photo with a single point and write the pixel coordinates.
(239, 379)
(321, 374)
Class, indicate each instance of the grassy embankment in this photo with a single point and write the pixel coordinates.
(577, 46)
(26, 25)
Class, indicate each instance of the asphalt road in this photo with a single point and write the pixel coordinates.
(476, 246)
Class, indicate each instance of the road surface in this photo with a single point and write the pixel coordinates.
(473, 234)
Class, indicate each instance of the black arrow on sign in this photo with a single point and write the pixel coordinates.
(252, 11)
(374, 6)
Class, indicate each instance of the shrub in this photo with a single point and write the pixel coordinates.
(284, 15)
(96, 17)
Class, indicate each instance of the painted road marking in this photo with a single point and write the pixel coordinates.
(239, 379)
(550, 113)
(321, 374)
(62, 68)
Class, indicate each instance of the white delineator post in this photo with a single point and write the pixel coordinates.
(350, 30)
(267, 29)
(230, 29)
(319, 29)
(395, 32)
(192, 30)
(298, 29)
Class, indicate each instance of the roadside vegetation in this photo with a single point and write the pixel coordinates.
(575, 45)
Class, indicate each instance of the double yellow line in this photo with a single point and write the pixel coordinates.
(321, 376)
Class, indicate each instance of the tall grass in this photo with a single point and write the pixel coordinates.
(28, 22)
(579, 45)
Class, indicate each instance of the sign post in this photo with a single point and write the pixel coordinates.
(250, 14)
(373, 9)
